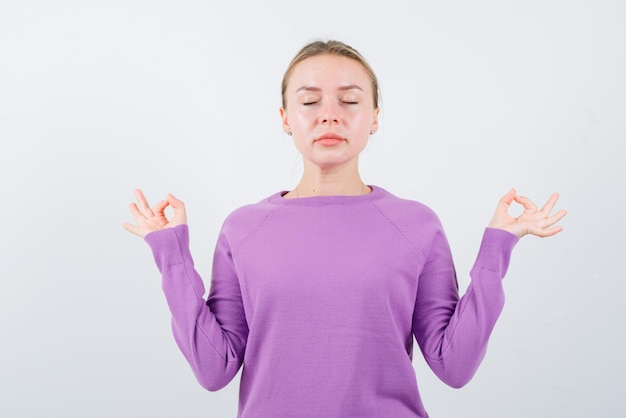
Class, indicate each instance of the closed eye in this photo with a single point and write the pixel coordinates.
(308, 103)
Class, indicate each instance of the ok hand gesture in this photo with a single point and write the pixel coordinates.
(531, 221)
(153, 219)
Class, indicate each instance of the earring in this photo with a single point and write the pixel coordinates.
(289, 133)
(372, 132)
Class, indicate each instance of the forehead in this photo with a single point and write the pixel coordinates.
(328, 71)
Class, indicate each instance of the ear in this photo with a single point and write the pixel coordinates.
(283, 116)
(375, 121)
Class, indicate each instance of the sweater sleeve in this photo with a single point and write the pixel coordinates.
(210, 333)
(451, 332)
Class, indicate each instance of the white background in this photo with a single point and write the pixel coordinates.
(100, 97)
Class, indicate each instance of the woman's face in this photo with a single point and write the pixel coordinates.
(329, 110)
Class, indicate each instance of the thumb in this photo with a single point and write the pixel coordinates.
(180, 215)
(506, 200)
(500, 217)
(174, 203)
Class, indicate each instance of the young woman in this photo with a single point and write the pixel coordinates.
(319, 291)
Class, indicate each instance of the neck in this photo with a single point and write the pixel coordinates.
(317, 181)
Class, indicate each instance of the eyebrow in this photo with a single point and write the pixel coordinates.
(313, 88)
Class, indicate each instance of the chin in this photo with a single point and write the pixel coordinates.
(331, 162)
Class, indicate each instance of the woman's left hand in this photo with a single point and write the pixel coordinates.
(531, 221)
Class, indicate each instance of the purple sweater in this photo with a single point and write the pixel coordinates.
(319, 298)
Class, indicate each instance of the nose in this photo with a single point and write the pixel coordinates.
(330, 120)
(330, 114)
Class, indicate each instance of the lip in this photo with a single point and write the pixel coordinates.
(329, 138)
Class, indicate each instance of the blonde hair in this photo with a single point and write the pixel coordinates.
(330, 47)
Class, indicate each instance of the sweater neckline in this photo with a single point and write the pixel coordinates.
(278, 199)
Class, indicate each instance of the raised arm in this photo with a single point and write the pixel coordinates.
(211, 335)
(453, 332)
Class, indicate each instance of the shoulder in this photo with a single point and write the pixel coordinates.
(243, 221)
(415, 221)
(405, 212)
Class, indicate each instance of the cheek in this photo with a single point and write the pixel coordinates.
(302, 120)
(363, 121)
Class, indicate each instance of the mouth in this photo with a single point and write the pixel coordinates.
(329, 139)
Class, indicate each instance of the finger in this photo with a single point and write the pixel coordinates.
(134, 210)
(180, 215)
(545, 228)
(143, 203)
(506, 200)
(160, 207)
(132, 228)
(554, 218)
(528, 204)
(174, 202)
(547, 208)
(548, 232)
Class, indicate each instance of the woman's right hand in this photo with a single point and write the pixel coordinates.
(153, 219)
